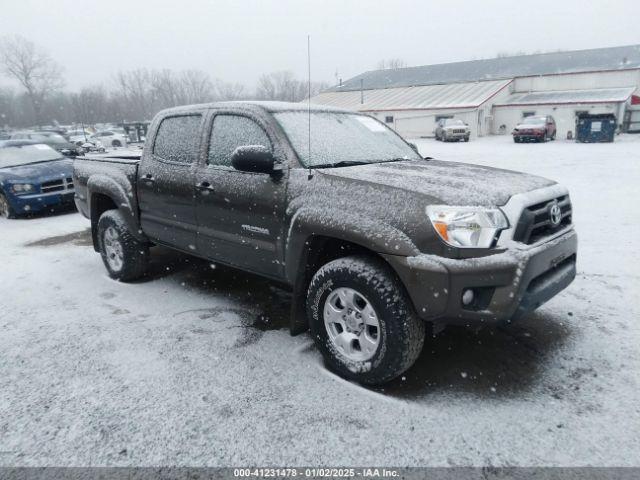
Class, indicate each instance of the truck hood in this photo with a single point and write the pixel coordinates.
(449, 183)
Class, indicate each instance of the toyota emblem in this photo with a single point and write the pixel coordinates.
(555, 214)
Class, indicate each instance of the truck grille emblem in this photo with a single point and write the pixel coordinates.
(555, 214)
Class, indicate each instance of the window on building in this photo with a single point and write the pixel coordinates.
(528, 114)
(177, 139)
(388, 119)
(442, 117)
(230, 132)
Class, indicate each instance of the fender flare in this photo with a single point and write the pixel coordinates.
(372, 234)
(110, 187)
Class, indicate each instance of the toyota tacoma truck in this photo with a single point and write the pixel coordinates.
(375, 242)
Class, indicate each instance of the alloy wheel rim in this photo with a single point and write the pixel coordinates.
(113, 249)
(352, 324)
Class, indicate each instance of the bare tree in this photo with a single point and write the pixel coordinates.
(136, 96)
(391, 63)
(90, 105)
(33, 68)
(229, 91)
(196, 87)
(285, 87)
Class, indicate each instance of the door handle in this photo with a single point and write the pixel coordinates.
(204, 185)
(149, 178)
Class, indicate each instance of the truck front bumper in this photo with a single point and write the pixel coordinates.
(503, 286)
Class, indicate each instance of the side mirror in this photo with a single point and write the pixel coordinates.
(253, 158)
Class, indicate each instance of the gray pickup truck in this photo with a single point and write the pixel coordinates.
(375, 242)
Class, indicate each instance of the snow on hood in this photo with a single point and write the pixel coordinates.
(36, 171)
(450, 183)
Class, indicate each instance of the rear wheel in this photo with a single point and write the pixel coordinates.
(363, 321)
(6, 211)
(116, 143)
(123, 255)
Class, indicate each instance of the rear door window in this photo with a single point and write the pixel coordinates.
(230, 132)
(178, 139)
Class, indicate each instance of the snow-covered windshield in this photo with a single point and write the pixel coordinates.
(451, 122)
(16, 156)
(339, 139)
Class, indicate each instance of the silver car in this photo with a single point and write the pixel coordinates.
(452, 129)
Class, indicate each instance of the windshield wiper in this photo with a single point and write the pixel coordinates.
(343, 163)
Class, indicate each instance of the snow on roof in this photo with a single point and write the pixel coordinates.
(456, 95)
(613, 58)
(600, 95)
(269, 106)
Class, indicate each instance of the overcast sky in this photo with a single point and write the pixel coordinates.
(239, 40)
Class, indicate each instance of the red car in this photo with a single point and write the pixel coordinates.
(535, 129)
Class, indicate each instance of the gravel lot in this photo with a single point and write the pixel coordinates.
(194, 366)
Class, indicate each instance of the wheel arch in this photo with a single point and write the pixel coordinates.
(107, 194)
(312, 243)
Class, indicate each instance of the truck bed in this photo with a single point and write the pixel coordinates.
(113, 174)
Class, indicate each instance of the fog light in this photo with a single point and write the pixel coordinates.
(27, 208)
(467, 297)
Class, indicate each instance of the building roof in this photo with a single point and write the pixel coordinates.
(557, 97)
(456, 95)
(612, 58)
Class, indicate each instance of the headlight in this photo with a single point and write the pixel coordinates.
(467, 226)
(22, 188)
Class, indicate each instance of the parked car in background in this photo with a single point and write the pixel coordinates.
(54, 140)
(110, 138)
(59, 130)
(79, 137)
(33, 177)
(535, 129)
(452, 129)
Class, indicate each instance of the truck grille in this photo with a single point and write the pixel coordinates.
(535, 222)
(459, 130)
(60, 185)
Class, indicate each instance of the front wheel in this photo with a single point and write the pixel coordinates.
(6, 211)
(123, 255)
(362, 320)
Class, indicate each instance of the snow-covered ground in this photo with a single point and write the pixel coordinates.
(195, 366)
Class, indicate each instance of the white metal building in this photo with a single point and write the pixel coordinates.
(493, 95)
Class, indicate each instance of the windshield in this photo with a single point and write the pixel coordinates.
(15, 156)
(451, 122)
(534, 120)
(342, 138)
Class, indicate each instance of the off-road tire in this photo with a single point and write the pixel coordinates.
(135, 254)
(6, 210)
(466, 139)
(116, 143)
(401, 334)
